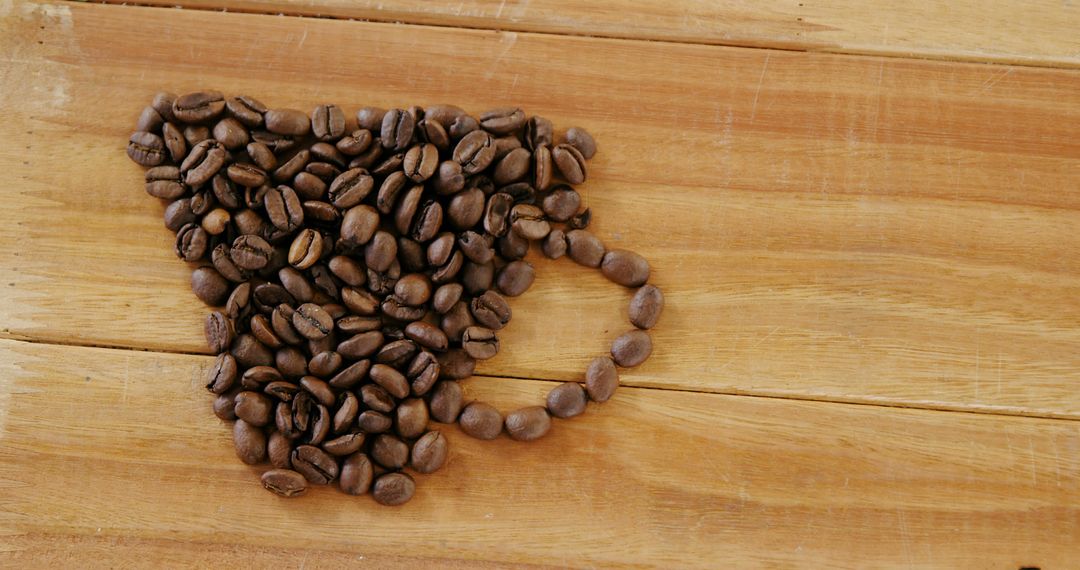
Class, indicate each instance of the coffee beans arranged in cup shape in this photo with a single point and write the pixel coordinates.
(360, 264)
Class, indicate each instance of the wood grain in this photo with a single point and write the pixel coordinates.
(116, 451)
(1042, 32)
(891, 231)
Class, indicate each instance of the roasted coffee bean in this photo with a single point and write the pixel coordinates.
(515, 278)
(222, 260)
(360, 301)
(538, 132)
(292, 167)
(443, 114)
(164, 182)
(411, 418)
(248, 222)
(230, 133)
(223, 406)
(477, 277)
(219, 331)
(413, 289)
(283, 208)
(198, 107)
(390, 379)
(281, 322)
(427, 335)
(542, 167)
(381, 251)
(321, 422)
(247, 175)
(528, 221)
(481, 420)
(528, 424)
(631, 348)
(312, 322)
(146, 149)
(584, 248)
(570, 162)
(251, 252)
(396, 130)
(296, 284)
(250, 352)
(209, 286)
(327, 122)
(481, 343)
(279, 450)
(267, 296)
(475, 246)
(567, 400)
(350, 375)
(325, 171)
(504, 145)
(427, 221)
(284, 483)
(247, 110)
(646, 306)
(202, 201)
(398, 311)
(238, 306)
(163, 104)
(250, 442)
(178, 214)
(393, 489)
(513, 167)
(149, 120)
(562, 203)
(407, 206)
(448, 178)
(191, 242)
(420, 162)
(358, 225)
(291, 361)
(491, 310)
(370, 118)
(429, 453)
(203, 162)
(360, 346)
(355, 143)
(325, 364)
(348, 270)
(289, 122)
(356, 474)
(580, 221)
(222, 375)
(422, 373)
(343, 445)
(216, 221)
(445, 296)
(279, 144)
(503, 120)
(263, 331)
(318, 389)
(601, 379)
(377, 398)
(625, 268)
(389, 165)
(466, 209)
(449, 270)
(254, 408)
(257, 376)
(554, 245)
(475, 152)
(581, 140)
(282, 390)
(389, 451)
(354, 324)
(456, 320)
(497, 214)
(397, 353)
(456, 364)
(461, 126)
(434, 133)
(309, 187)
(175, 142)
(262, 156)
(195, 134)
(446, 401)
(350, 188)
(314, 464)
(521, 192)
(306, 249)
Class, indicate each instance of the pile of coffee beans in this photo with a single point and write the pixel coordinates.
(361, 265)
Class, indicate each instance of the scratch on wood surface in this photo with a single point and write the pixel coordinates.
(993, 80)
(757, 92)
(498, 13)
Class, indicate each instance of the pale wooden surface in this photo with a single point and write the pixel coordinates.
(826, 227)
(1032, 32)
(122, 447)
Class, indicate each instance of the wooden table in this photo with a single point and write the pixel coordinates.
(867, 227)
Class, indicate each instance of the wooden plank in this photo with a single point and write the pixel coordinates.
(827, 227)
(120, 448)
(1040, 32)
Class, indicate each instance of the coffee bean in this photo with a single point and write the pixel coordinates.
(343, 445)
(358, 225)
(449, 270)
(164, 182)
(497, 214)
(503, 120)
(267, 296)
(542, 167)
(462, 126)
(581, 140)
(631, 348)
(455, 364)
(420, 162)
(370, 118)
(601, 379)
(413, 289)
(209, 286)
(446, 296)
(222, 375)
(528, 424)
(216, 221)
(191, 242)
(393, 489)
(178, 214)
(292, 167)
(306, 249)
(255, 377)
(311, 321)
(198, 107)
(279, 449)
(554, 245)
(223, 406)
(327, 122)
(250, 352)
(251, 252)
(562, 203)
(390, 379)
(445, 115)
(412, 418)
(475, 152)
(355, 143)
(284, 483)
(389, 451)
(481, 343)
(291, 361)
(309, 186)
(356, 474)
(396, 130)
(476, 247)
(538, 132)
(350, 188)
(146, 149)
(427, 335)
(646, 306)
(290, 122)
(446, 401)
(566, 400)
(512, 167)
(580, 221)
(466, 209)
(230, 133)
(317, 466)
(481, 420)
(625, 268)
(195, 134)
(422, 373)
(429, 452)
(491, 310)
(584, 248)
(254, 408)
(528, 221)
(250, 442)
(219, 331)
(163, 104)
(427, 222)
(570, 162)
(203, 162)
(448, 178)
(381, 251)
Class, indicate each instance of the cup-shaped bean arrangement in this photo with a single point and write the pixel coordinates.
(359, 265)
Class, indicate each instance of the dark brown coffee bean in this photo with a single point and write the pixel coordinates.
(567, 400)
(216, 221)
(396, 130)
(497, 214)
(411, 418)
(238, 306)
(528, 221)
(477, 277)
(370, 118)
(355, 143)
(515, 278)
(302, 405)
(393, 489)
(570, 162)
(427, 221)
(389, 451)
(292, 167)
(325, 364)
(256, 377)
(584, 248)
(397, 353)
(309, 187)
(163, 104)
(356, 474)
(359, 225)
(377, 398)
(462, 126)
(449, 270)
(248, 222)
(491, 310)
(422, 373)
(251, 252)
(528, 424)
(504, 145)
(262, 156)
(223, 406)
(247, 175)
(446, 296)
(146, 149)
(601, 379)
(254, 408)
(466, 209)
(381, 251)
(420, 162)
(513, 167)
(554, 245)
(360, 346)
(191, 242)
(263, 331)
(446, 401)
(502, 121)
(250, 443)
(581, 140)
(538, 132)
(202, 201)
(306, 249)
(290, 122)
(317, 466)
(481, 343)
(319, 390)
(351, 375)
(279, 449)
(475, 152)
(350, 188)
(631, 348)
(222, 261)
(348, 270)
(542, 167)
(178, 214)
(198, 107)
(195, 134)
(320, 425)
(281, 322)
(250, 352)
(562, 203)
(443, 114)
(164, 182)
(219, 331)
(209, 286)
(476, 247)
(434, 133)
(413, 289)
(284, 483)
(203, 162)
(267, 296)
(291, 361)
(625, 268)
(390, 379)
(279, 144)
(429, 452)
(456, 320)
(312, 322)
(646, 306)
(327, 122)
(230, 133)
(281, 390)
(222, 375)
(354, 324)
(481, 420)
(175, 142)
(360, 301)
(247, 110)
(283, 208)
(407, 206)
(427, 335)
(343, 445)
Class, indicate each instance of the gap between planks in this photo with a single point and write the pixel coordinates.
(981, 411)
(840, 51)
